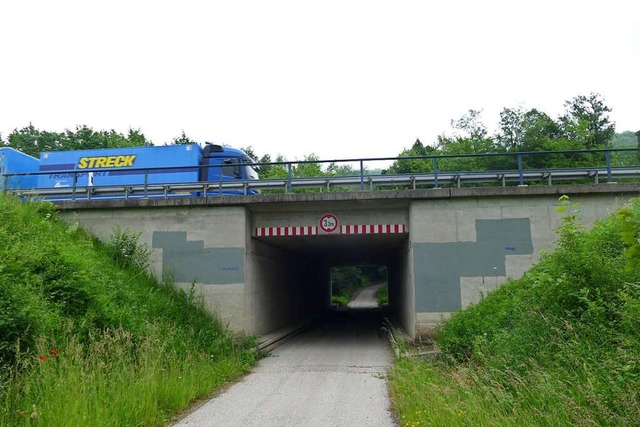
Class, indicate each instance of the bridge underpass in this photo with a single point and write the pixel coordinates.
(298, 269)
(260, 266)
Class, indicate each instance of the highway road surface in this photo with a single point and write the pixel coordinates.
(332, 375)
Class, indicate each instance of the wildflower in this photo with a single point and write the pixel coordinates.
(53, 352)
(43, 357)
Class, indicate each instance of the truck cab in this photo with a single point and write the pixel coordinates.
(226, 164)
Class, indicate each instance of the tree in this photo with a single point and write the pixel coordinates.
(586, 120)
(250, 152)
(512, 130)
(470, 137)
(278, 171)
(84, 138)
(413, 165)
(183, 139)
(471, 126)
(267, 171)
(33, 141)
(308, 170)
(531, 130)
(625, 139)
(538, 130)
(345, 280)
(341, 169)
(135, 138)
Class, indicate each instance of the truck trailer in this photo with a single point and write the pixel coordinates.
(14, 161)
(115, 172)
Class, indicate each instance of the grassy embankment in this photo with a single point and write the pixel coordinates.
(560, 346)
(88, 338)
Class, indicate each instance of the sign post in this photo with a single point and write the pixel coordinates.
(328, 223)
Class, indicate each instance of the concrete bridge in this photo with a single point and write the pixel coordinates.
(263, 262)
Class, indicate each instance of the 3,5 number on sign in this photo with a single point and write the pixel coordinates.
(328, 223)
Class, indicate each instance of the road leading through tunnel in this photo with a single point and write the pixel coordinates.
(366, 298)
(332, 375)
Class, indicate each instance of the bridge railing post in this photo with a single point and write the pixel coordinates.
(146, 182)
(74, 185)
(607, 159)
(435, 172)
(289, 178)
(361, 175)
(520, 172)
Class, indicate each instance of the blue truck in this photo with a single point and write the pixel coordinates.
(14, 161)
(115, 172)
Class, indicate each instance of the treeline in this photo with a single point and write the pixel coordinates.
(32, 141)
(584, 125)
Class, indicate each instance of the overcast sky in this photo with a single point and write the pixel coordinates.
(340, 79)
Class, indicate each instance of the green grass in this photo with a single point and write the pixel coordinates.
(128, 350)
(560, 346)
(340, 300)
(382, 294)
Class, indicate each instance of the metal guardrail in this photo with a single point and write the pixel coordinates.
(362, 181)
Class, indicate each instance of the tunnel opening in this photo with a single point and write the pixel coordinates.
(293, 278)
(361, 286)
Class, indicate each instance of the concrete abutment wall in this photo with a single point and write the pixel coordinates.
(466, 247)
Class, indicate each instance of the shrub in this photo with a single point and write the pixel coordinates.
(341, 300)
(124, 248)
(382, 294)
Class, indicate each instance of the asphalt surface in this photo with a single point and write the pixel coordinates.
(366, 298)
(332, 375)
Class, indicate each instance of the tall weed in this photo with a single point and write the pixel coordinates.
(125, 249)
(113, 378)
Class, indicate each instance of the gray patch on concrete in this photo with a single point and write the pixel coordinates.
(439, 266)
(187, 261)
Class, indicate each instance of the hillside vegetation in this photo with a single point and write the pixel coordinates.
(560, 346)
(88, 338)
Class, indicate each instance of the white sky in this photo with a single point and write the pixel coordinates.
(340, 79)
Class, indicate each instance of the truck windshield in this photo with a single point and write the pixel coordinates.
(231, 168)
(251, 172)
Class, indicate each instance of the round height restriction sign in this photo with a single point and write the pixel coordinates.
(328, 223)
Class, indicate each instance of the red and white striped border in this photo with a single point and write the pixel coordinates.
(344, 229)
(373, 229)
(286, 231)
